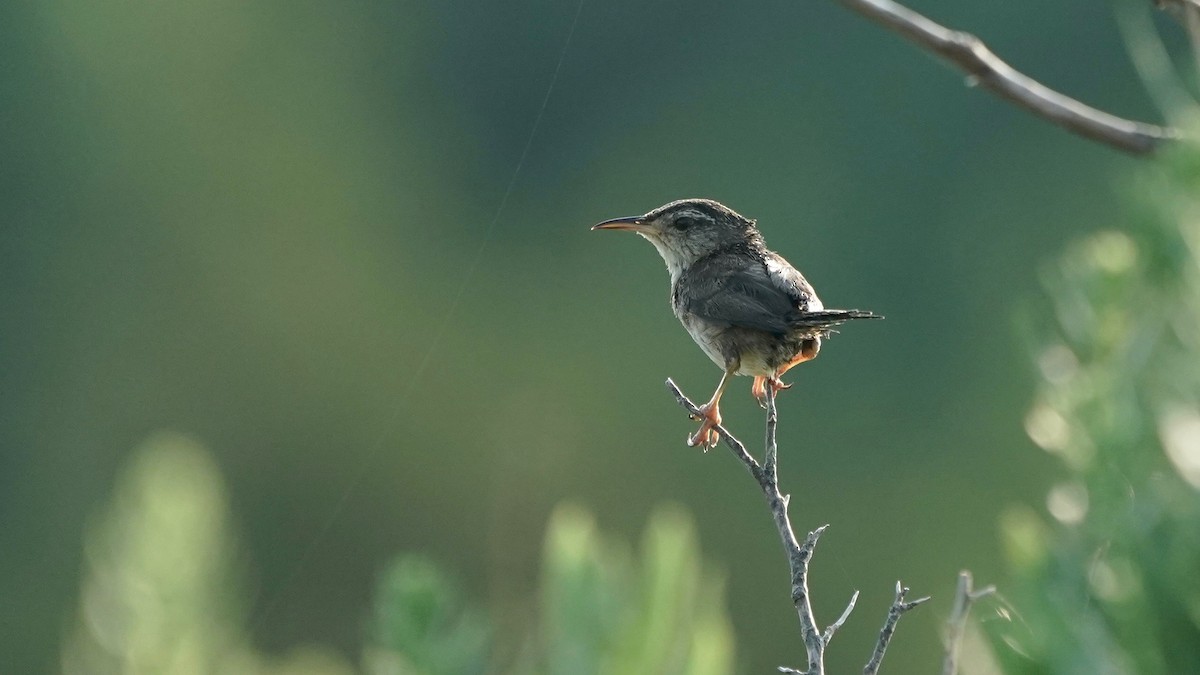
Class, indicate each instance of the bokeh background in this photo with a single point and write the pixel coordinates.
(276, 228)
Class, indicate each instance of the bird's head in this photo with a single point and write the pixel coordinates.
(687, 230)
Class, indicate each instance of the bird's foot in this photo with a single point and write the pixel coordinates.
(759, 388)
(707, 435)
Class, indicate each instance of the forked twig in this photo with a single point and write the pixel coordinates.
(799, 554)
(964, 596)
(899, 607)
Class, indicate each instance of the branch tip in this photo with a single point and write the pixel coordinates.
(833, 627)
(956, 624)
(810, 542)
(899, 608)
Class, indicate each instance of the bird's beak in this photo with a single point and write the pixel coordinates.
(631, 223)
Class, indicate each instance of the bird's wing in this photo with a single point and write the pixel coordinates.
(746, 289)
(792, 282)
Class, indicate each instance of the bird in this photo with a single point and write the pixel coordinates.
(747, 307)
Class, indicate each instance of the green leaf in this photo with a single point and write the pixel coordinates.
(422, 625)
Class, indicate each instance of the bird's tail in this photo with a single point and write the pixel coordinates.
(828, 318)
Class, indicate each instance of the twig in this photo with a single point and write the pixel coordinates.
(969, 54)
(956, 625)
(799, 554)
(766, 474)
(833, 627)
(899, 607)
(734, 444)
(798, 559)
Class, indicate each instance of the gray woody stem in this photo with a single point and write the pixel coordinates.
(899, 607)
(799, 554)
(969, 54)
(956, 625)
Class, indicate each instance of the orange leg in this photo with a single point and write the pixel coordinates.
(807, 353)
(710, 415)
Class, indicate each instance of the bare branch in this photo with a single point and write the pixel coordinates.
(798, 560)
(899, 607)
(799, 554)
(970, 55)
(735, 446)
(956, 625)
(833, 627)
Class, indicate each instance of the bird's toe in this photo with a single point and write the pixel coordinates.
(707, 435)
(759, 391)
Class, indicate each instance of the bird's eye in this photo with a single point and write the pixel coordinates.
(684, 222)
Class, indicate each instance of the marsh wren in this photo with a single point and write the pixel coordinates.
(749, 310)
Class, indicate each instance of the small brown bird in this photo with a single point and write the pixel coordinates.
(749, 310)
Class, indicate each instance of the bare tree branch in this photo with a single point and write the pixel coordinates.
(956, 625)
(799, 554)
(899, 607)
(969, 54)
(833, 627)
(734, 444)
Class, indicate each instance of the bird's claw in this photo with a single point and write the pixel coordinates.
(707, 435)
(705, 438)
(759, 388)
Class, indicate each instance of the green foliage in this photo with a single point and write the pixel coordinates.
(160, 595)
(155, 598)
(423, 626)
(1112, 583)
(160, 592)
(602, 610)
(604, 613)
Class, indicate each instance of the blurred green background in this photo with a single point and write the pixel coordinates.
(269, 226)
